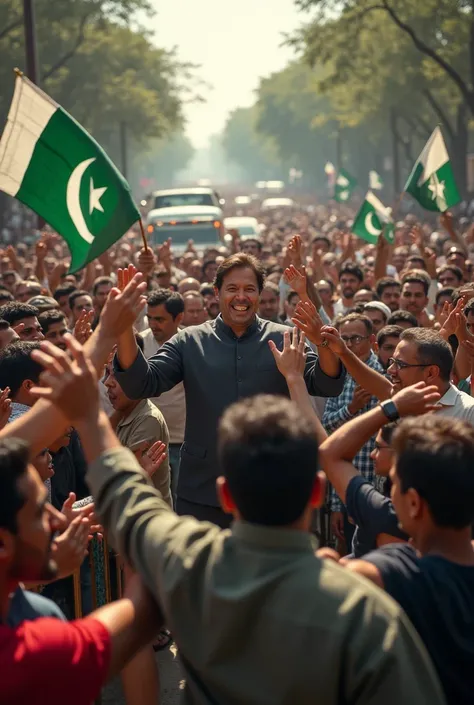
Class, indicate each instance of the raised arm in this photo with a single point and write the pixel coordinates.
(339, 449)
(308, 321)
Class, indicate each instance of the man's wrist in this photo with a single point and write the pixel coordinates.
(96, 418)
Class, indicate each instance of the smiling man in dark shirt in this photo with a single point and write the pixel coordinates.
(220, 362)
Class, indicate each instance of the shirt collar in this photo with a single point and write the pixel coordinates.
(137, 411)
(274, 537)
(222, 327)
(449, 399)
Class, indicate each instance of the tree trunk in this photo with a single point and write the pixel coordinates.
(459, 147)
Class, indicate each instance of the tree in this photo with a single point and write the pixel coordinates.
(380, 71)
(156, 165)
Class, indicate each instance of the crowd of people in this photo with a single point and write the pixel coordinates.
(275, 436)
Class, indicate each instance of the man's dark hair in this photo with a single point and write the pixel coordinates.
(4, 325)
(269, 456)
(388, 332)
(388, 430)
(417, 276)
(206, 290)
(14, 454)
(351, 268)
(432, 349)
(240, 261)
(352, 317)
(100, 281)
(402, 316)
(66, 290)
(49, 318)
(15, 311)
(321, 238)
(469, 308)
(172, 301)
(6, 295)
(75, 295)
(445, 291)
(16, 365)
(386, 283)
(451, 268)
(290, 295)
(415, 258)
(435, 456)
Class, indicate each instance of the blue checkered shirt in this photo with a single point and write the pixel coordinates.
(337, 413)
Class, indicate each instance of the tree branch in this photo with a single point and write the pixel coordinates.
(69, 54)
(428, 51)
(439, 111)
(9, 28)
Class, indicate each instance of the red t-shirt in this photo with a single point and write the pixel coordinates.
(49, 662)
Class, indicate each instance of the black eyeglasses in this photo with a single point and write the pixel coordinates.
(353, 339)
(400, 365)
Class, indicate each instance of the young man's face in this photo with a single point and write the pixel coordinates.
(413, 298)
(391, 297)
(8, 336)
(82, 303)
(269, 305)
(162, 324)
(349, 284)
(449, 278)
(406, 368)
(31, 329)
(29, 550)
(291, 305)
(116, 395)
(387, 349)
(250, 247)
(377, 318)
(357, 338)
(100, 296)
(239, 297)
(325, 292)
(55, 334)
(382, 455)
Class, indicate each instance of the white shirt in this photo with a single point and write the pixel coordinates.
(172, 404)
(457, 405)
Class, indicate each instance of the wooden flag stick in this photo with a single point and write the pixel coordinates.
(142, 229)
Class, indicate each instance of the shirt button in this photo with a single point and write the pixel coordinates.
(239, 381)
(239, 357)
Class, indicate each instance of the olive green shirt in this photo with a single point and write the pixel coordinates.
(257, 618)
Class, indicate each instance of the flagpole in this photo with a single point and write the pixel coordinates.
(142, 230)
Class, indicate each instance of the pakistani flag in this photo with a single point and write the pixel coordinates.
(375, 181)
(344, 186)
(372, 219)
(432, 181)
(50, 163)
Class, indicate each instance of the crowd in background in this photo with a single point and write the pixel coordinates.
(358, 335)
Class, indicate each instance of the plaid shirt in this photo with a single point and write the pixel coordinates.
(336, 413)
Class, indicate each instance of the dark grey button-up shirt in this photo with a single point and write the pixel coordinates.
(217, 369)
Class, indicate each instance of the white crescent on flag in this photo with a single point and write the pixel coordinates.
(73, 200)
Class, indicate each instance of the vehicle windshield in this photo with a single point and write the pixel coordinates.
(184, 199)
(246, 230)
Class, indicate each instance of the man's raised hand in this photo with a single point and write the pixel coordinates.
(296, 279)
(291, 360)
(70, 384)
(308, 320)
(416, 399)
(124, 303)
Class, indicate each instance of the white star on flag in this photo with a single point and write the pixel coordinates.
(95, 196)
(437, 189)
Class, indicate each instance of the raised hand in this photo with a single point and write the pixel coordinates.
(451, 322)
(308, 320)
(83, 328)
(291, 360)
(332, 337)
(417, 237)
(70, 384)
(416, 399)
(164, 254)
(86, 512)
(294, 251)
(123, 303)
(5, 407)
(146, 261)
(296, 279)
(360, 398)
(152, 458)
(70, 548)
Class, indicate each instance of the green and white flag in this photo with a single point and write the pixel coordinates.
(432, 180)
(375, 181)
(344, 186)
(372, 219)
(51, 164)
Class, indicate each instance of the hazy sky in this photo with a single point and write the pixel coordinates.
(234, 41)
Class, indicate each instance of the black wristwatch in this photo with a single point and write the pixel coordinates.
(390, 410)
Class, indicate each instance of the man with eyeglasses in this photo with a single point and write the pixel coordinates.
(356, 330)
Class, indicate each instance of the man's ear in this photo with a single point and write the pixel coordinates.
(225, 498)
(375, 347)
(318, 492)
(373, 341)
(216, 292)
